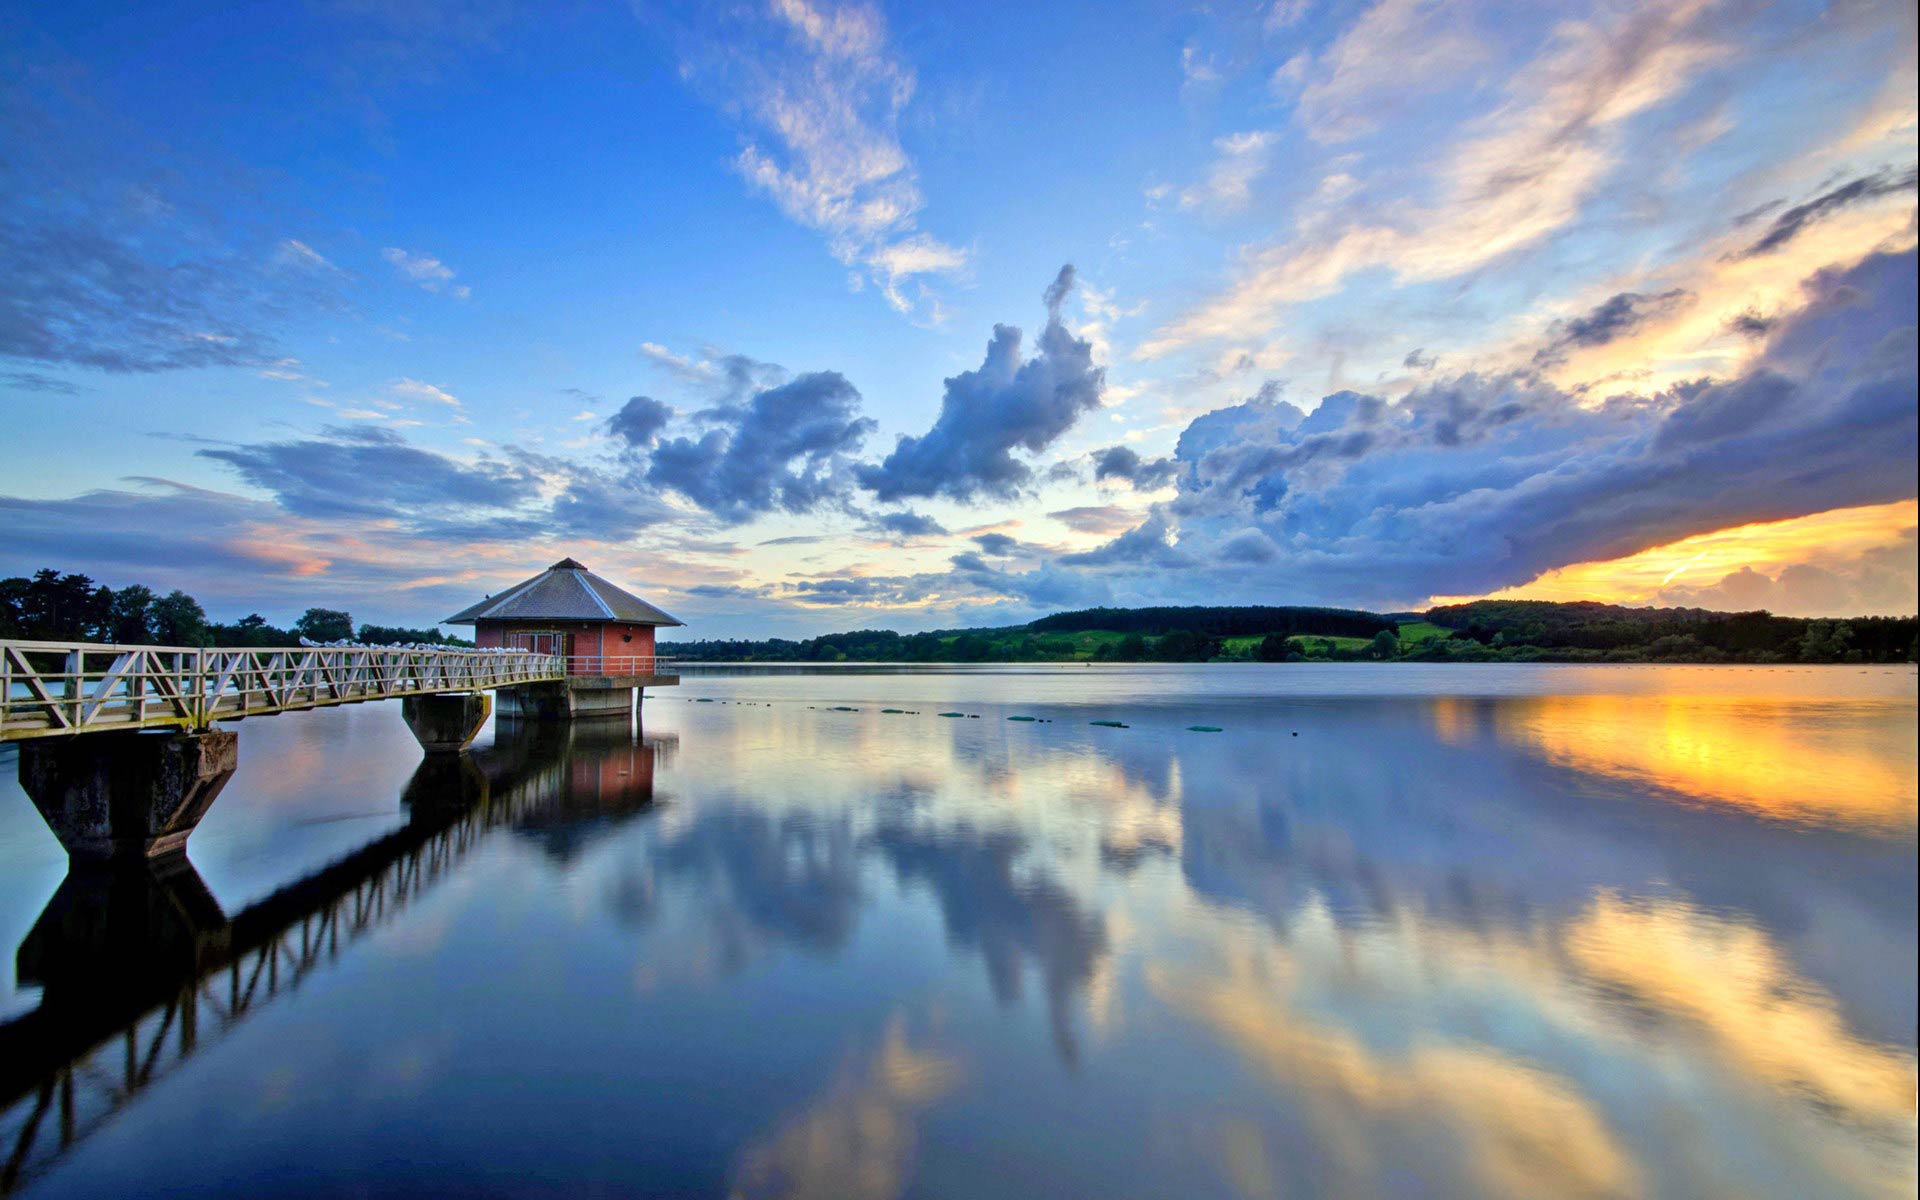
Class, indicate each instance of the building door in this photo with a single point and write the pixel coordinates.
(543, 643)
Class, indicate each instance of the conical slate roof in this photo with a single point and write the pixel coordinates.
(566, 591)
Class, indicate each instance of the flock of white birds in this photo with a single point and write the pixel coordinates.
(344, 644)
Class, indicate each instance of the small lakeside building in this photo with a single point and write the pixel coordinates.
(604, 632)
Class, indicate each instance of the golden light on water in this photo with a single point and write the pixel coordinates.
(1834, 538)
(1841, 765)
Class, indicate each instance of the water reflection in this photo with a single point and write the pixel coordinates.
(138, 966)
(1006, 920)
(1765, 755)
(858, 1139)
(1448, 945)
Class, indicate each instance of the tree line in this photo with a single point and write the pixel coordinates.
(1587, 631)
(1221, 621)
(1483, 631)
(51, 607)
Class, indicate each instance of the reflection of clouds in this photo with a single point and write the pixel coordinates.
(1006, 919)
(857, 1140)
(770, 879)
(1838, 765)
(1536, 1048)
(1727, 980)
(1521, 1131)
(1451, 990)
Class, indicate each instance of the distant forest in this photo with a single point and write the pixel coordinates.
(52, 607)
(1483, 631)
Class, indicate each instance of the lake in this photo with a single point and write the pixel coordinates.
(1393, 930)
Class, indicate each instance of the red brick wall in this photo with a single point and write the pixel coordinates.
(590, 641)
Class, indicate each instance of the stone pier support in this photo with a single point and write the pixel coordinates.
(127, 796)
(566, 701)
(446, 723)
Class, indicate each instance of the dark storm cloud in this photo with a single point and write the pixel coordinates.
(639, 421)
(1791, 223)
(998, 545)
(988, 414)
(1478, 482)
(367, 472)
(1122, 462)
(1615, 318)
(785, 449)
(905, 524)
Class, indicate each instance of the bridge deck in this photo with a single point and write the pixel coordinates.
(57, 688)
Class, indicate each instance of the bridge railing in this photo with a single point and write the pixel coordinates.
(619, 664)
(49, 688)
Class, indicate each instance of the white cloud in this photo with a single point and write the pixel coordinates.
(1398, 49)
(1522, 174)
(294, 252)
(832, 158)
(1242, 158)
(426, 272)
(414, 389)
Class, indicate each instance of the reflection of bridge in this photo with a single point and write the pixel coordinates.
(139, 967)
(114, 793)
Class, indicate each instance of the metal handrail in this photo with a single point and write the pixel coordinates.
(49, 688)
(617, 664)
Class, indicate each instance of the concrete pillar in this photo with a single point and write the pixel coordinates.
(127, 795)
(601, 702)
(536, 702)
(565, 701)
(447, 723)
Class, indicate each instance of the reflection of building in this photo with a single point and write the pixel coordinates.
(566, 781)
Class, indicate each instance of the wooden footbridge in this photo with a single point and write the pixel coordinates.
(55, 688)
(121, 748)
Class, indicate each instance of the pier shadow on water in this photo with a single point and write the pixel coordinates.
(139, 967)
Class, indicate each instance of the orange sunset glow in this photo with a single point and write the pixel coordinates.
(1674, 574)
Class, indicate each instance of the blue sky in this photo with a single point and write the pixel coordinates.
(384, 306)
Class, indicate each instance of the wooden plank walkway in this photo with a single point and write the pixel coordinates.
(66, 688)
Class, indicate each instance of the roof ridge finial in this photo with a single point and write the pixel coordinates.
(568, 564)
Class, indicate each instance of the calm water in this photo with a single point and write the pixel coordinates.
(1505, 931)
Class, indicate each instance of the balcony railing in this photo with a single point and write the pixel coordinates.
(619, 665)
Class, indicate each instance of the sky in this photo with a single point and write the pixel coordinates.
(797, 316)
